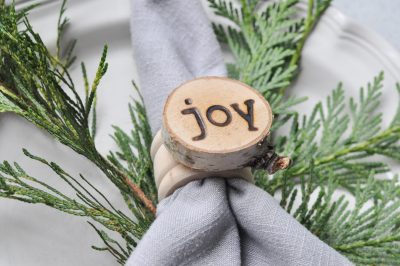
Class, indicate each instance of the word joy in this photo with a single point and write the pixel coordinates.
(247, 115)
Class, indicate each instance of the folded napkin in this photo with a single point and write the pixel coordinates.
(213, 221)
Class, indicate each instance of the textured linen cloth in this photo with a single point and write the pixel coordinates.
(212, 221)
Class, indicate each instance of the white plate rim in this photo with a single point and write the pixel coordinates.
(371, 41)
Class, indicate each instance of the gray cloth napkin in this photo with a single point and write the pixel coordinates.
(213, 221)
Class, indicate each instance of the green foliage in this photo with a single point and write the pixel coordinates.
(367, 233)
(324, 139)
(267, 44)
(396, 119)
(36, 85)
(331, 148)
(334, 149)
(88, 202)
(133, 157)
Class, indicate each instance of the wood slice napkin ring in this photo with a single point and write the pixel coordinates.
(213, 127)
(170, 175)
(219, 124)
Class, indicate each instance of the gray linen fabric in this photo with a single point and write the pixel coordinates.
(213, 221)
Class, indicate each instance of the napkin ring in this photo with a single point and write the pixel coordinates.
(213, 127)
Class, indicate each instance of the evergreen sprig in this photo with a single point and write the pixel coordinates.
(37, 86)
(368, 233)
(324, 138)
(267, 45)
(87, 201)
(331, 148)
(133, 157)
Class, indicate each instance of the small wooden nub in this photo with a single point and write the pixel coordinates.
(216, 124)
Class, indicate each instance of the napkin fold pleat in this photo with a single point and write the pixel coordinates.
(214, 221)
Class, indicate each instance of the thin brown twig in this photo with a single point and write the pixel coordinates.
(137, 191)
(141, 195)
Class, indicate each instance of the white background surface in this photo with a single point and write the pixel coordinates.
(37, 235)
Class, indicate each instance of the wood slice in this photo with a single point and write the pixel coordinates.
(216, 124)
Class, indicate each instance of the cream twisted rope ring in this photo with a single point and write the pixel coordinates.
(170, 175)
(213, 127)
